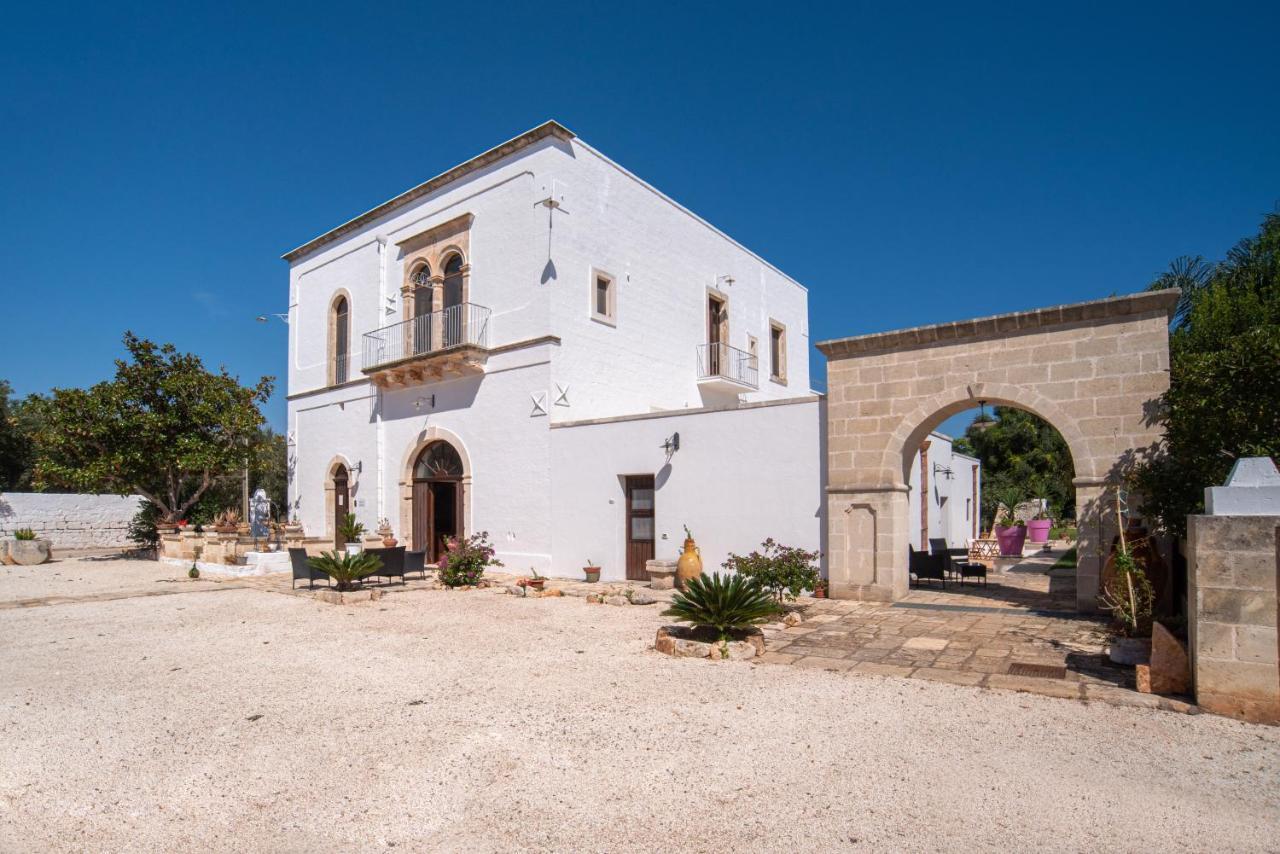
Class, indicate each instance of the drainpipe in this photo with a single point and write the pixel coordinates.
(379, 428)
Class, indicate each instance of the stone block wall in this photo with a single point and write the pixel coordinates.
(1232, 573)
(71, 521)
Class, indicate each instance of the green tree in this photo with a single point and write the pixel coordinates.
(268, 468)
(16, 451)
(1022, 450)
(1223, 401)
(165, 428)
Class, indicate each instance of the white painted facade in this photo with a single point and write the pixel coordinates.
(954, 492)
(548, 214)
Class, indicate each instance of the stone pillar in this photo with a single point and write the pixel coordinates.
(1233, 574)
(867, 543)
(1096, 527)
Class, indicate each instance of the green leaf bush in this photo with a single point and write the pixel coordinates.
(727, 604)
(464, 561)
(785, 571)
(24, 534)
(346, 569)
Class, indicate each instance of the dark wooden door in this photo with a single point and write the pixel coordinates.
(341, 504)
(639, 533)
(437, 515)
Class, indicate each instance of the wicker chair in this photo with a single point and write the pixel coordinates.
(392, 562)
(416, 562)
(302, 569)
(924, 566)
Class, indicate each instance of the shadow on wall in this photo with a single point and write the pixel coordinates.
(440, 397)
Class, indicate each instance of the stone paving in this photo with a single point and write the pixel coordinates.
(970, 635)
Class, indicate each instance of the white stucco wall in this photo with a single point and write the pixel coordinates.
(71, 521)
(739, 477)
(952, 510)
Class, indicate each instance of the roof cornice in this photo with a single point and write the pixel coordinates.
(542, 131)
(1110, 310)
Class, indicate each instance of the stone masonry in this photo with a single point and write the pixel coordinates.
(70, 521)
(1093, 370)
(1233, 574)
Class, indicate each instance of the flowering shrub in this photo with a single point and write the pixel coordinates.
(785, 571)
(464, 561)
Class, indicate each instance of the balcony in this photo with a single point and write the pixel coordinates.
(725, 368)
(449, 343)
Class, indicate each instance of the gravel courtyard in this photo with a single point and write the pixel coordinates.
(225, 717)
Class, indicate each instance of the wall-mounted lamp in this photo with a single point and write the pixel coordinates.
(265, 318)
(672, 444)
(939, 469)
(417, 403)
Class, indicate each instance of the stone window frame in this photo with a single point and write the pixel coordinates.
(610, 318)
(432, 249)
(778, 370)
(331, 348)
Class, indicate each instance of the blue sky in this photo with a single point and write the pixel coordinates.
(910, 166)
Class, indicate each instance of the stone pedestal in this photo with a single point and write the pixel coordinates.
(1233, 566)
(662, 574)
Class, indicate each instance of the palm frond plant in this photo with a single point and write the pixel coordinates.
(346, 569)
(726, 603)
(350, 529)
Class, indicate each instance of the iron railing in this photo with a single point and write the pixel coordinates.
(725, 362)
(455, 326)
(341, 363)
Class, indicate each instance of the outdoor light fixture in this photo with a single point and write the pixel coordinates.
(672, 444)
(982, 422)
(264, 318)
(417, 404)
(939, 469)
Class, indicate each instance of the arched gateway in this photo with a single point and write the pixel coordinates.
(435, 492)
(1093, 370)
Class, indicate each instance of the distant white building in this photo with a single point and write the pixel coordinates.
(538, 344)
(944, 499)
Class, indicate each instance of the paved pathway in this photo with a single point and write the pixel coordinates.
(1015, 633)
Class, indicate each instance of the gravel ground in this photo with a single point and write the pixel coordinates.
(447, 721)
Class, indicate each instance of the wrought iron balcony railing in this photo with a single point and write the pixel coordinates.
(722, 364)
(458, 326)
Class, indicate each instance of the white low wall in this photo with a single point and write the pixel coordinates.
(70, 521)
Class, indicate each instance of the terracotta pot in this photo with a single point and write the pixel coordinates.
(592, 573)
(1038, 530)
(820, 593)
(1011, 540)
(389, 542)
(535, 583)
(690, 563)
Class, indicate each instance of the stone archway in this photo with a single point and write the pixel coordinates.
(1093, 370)
(429, 436)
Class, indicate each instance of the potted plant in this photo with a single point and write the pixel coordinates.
(27, 549)
(820, 589)
(690, 563)
(1011, 532)
(227, 521)
(591, 571)
(464, 560)
(1038, 527)
(535, 581)
(351, 531)
(388, 536)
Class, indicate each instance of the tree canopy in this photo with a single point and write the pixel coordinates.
(16, 450)
(1223, 401)
(165, 428)
(1022, 452)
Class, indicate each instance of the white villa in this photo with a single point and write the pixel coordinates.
(538, 344)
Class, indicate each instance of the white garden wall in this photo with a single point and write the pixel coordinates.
(71, 521)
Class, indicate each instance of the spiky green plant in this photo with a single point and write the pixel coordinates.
(24, 534)
(726, 603)
(346, 569)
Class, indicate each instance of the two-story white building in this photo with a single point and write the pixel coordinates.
(538, 344)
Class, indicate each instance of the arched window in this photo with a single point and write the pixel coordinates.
(438, 460)
(453, 281)
(421, 280)
(341, 340)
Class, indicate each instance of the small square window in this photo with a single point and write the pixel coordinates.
(604, 297)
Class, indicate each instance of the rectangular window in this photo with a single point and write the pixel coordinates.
(604, 298)
(777, 352)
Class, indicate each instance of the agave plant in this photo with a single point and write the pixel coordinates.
(726, 603)
(346, 569)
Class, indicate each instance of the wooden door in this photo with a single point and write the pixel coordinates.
(640, 525)
(715, 328)
(341, 504)
(437, 515)
(422, 517)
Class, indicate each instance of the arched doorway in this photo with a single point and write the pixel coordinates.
(437, 498)
(341, 505)
(1093, 370)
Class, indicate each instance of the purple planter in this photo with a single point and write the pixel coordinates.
(1011, 540)
(1038, 530)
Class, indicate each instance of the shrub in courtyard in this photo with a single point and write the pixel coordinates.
(142, 528)
(784, 571)
(464, 561)
(350, 529)
(24, 534)
(725, 603)
(346, 569)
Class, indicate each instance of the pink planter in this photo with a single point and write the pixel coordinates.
(1011, 540)
(1038, 530)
